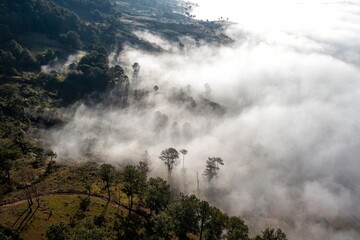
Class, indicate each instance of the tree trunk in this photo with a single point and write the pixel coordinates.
(108, 188)
(131, 203)
(201, 228)
(169, 177)
(129, 213)
(9, 180)
(183, 161)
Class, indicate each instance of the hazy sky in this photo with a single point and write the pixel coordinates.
(290, 137)
(278, 14)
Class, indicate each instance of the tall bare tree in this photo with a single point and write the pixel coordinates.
(183, 152)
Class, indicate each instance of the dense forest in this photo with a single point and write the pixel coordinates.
(54, 53)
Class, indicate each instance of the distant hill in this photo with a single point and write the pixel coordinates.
(106, 22)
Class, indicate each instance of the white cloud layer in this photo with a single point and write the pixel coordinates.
(290, 135)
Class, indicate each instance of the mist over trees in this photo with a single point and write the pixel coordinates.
(171, 215)
(169, 156)
(57, 56)
(212, 167)
(183, 152)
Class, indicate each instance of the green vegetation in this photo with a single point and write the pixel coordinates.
(122, 204)
(133, 182)
(54, 53)
(170, 157)
(54, 209)
(157, 195)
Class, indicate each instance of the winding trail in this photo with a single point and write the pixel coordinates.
(20, 201)
(24, 221)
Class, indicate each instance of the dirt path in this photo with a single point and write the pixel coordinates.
(18, 202)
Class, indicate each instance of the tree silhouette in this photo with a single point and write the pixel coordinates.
(133, 182)
(185, 215)
(71, 39)
(169, 156)
(204, 212)
(183, 152)
(215, 226)
(161, 227)
(236, 229)
(157, 194)
(144, 164)
(107, 174)
(212, 167)
(271, 234)
(9, 152)
(57, 231)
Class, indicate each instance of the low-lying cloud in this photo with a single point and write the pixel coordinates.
(282, 110)
(63, 67)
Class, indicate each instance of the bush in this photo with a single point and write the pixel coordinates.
(57, 231)
(84, 204)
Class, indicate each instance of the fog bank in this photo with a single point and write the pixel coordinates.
(281, 107)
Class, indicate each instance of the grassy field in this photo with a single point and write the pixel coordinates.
(61, 193)
(66, 178)
(54, 208)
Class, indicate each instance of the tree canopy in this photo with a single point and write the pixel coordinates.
(212, 167)
(169, 156)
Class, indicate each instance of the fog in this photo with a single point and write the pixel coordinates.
(62, 66)
(280, 105)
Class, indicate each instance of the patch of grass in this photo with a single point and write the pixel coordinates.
(56, 208)
(65, 178)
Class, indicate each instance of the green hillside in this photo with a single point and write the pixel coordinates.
(54, 53)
